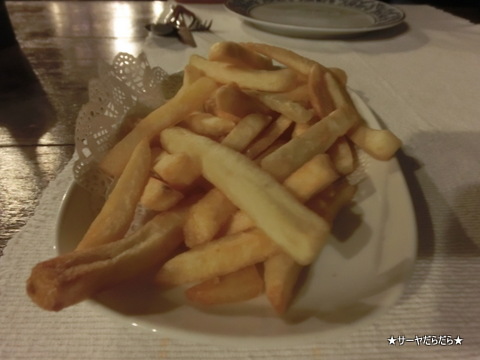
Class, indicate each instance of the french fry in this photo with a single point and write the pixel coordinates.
(177, 170)
(188, 99)
(318, 138)
(314, 176)
(237, 55)
(245, 131)
(318, 92)
(300, 232)
(299, 94)
(280, 276)
(208, 124)
(380, 144)
(206, 217)
(268, 136)
(241, 285)
(202, 262)
(342, 156)
(70, 278)
(230, 102)
(264, 80)
(278, 103)
(191, 74)
(159, 196)
(119, 209)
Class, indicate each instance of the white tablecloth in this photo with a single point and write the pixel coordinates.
(422, 80)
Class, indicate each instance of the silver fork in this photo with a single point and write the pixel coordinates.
(199, 25)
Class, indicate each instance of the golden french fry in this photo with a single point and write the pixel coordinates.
(280, 276)
(119, 209)
(268, 136)
(188, 99)
(342, 156)
(380, 144)
(241, 285)
(70, 278)
(245, 131)
(159, 196)
(264, 80)
(231, 103)
(278, 103)
(314, 176)
(318, 92)
(300, 232)
(191, 74)
(208, 124)
(299, 94)
(317, 139)
(216, 258)
(206, 217)
(177, 170)
(237, 55)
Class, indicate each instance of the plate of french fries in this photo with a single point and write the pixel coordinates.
(261, 205)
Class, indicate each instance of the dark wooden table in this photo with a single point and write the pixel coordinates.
(43, 83)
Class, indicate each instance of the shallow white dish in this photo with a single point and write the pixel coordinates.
(317, 18)
(361, 273)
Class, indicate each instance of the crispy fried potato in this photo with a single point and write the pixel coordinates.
(342, 156)
(237, 55)
(206, 217)
(118, 211)
(159, 196)
(301, 233)
(70, 278)
(230, 102)
(241, 285)
(188, 99)
(208, 124)
(216, 258)
(268, 137)
(317, 139)
(245, 131)
(318, 92)
(280, 104)
(264, 80)
(280, 276)
(177, 170)
(380, 144)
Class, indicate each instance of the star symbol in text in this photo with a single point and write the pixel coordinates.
(391, 340)
(458, 340)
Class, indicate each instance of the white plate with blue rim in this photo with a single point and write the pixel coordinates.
(317, 18)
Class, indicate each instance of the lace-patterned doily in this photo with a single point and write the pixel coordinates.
(127, 88)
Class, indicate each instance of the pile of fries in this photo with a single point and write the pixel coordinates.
(245, 170)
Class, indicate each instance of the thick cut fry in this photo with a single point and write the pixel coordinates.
(342, 156)
(317, 139)
(208, 124)
(278, 103)
(70, 278)
(159, 196)
(264, 80)
(119, 209)
(237, 55)
(177, 170)
(380, 144)
(300, 232)
(314, 176)
(188, 99)
(300, 93)
(241, 285)
(206, 217)
(280, 276)
(268, 136)
(230, 102)
(217, 258)
(191, 74)
(318, 92)
(245, 131)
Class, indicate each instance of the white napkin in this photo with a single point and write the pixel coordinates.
(423, 84)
